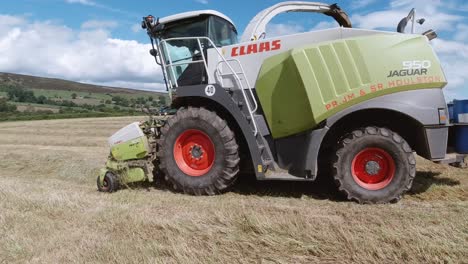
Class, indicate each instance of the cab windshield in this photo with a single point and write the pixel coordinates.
(184, 58)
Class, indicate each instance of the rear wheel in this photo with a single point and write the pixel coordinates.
(199, 154)
(374, 165)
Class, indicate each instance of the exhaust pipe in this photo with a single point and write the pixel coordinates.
(430, 34)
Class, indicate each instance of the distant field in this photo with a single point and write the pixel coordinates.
(68, 94)
(35, 105)
(95, 95)
(38, 98)
(30, 108)
(50, 212)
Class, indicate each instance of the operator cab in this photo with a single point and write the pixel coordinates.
(183, 43)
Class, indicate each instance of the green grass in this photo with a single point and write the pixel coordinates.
(67, 95)
(39, 105)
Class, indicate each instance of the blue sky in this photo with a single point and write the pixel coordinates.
(99, 41)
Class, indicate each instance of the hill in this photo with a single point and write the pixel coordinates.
(41, 83)
(24, 97)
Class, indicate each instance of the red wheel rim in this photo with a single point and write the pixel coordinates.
(194, 153)
(105, 185)
(373, 169)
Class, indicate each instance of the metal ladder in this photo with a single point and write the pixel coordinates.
(252, 107)
(241, 84)
(251, 102)
(249, 98)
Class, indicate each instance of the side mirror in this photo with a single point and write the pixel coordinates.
(147, 21)
(404, 22)
(153, 52)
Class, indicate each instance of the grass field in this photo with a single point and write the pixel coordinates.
(31, 108)
(50, 212)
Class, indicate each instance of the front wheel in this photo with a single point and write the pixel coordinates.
(199, 154)
(109, 184)
(374, 165)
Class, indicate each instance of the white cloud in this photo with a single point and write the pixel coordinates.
(454, 58)
(8, 20)
(136, 28)
(356, 4)
(324, 25)
(88, 55)
(437, 18)
(204, 2)
(381, 19)
(96, 24)
(389, 19)
(276, 30)
(461, 32)
(83, 2)
(101, 6)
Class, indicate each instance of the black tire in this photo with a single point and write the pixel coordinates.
(225, 163)
(392, 154)
(110, 185)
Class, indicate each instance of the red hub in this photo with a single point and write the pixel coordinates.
(194, 153)
(373, 169)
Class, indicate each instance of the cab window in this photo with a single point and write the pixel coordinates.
(222, 32)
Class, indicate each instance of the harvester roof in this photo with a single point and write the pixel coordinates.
(183, 16)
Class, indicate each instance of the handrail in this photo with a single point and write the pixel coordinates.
(242, 71)
(236, 76)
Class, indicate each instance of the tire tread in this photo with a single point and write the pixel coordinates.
(231, 160)
(387, 133)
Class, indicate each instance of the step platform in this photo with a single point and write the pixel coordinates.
(454, 159)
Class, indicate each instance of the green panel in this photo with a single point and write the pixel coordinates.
(134, 175)
(348, 65)
(359, 60)
(133, 149)
(318, 68)
(334, 69)
(122, 170)
(285, 75)
(302, 87)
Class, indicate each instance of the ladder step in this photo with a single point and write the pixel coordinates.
(230, 74)
(267, 162)
(283, 176)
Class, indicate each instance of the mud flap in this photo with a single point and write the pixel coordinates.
(102, 174)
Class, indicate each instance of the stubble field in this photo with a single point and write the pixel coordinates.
(51, 212)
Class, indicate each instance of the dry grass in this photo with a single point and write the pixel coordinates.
(50, 212)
